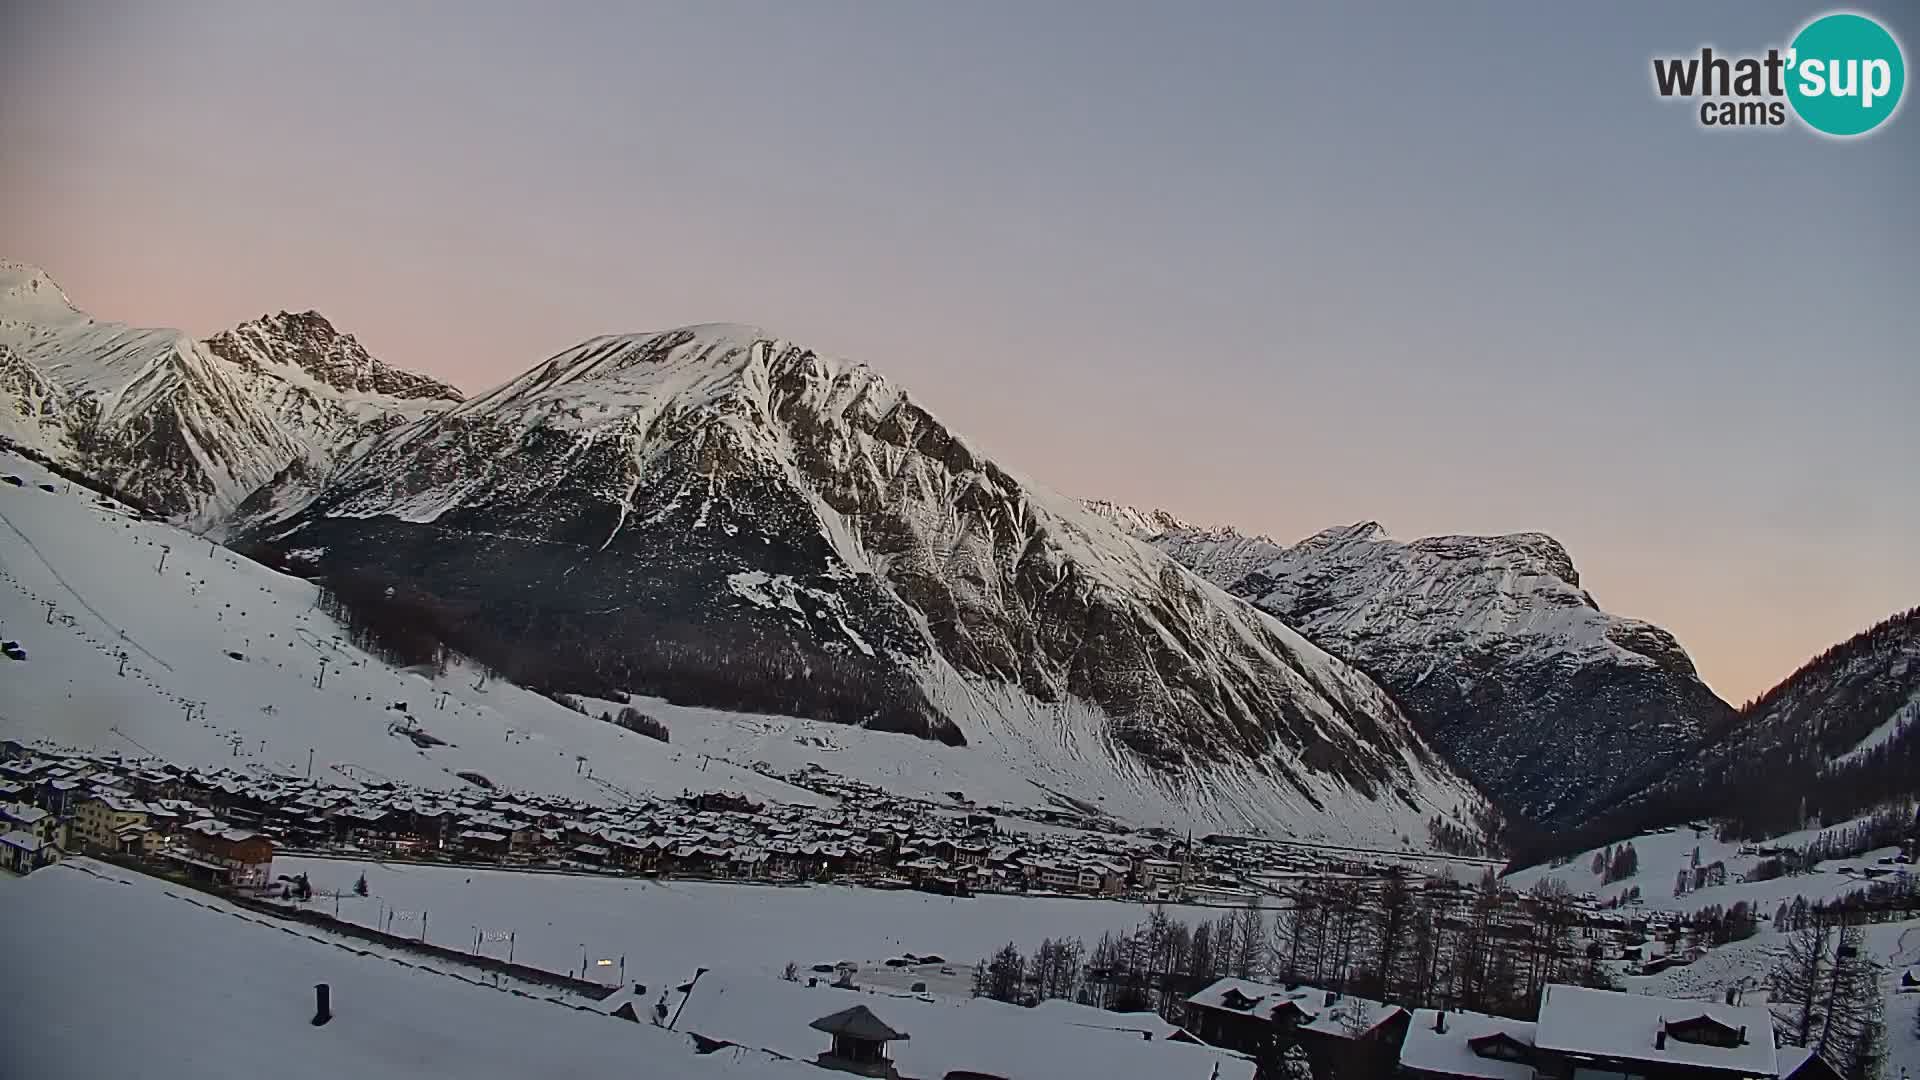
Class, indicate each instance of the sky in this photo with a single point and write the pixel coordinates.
(1452, 268)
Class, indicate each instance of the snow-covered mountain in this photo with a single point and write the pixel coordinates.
(1489, 643)
(721, 517)
(190, 428)
(1220, 553)
(1551, 704)
(1837, 738)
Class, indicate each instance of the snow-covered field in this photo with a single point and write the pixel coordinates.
(121, 979)
(1662, 855)
(666, 929)
(194, 987)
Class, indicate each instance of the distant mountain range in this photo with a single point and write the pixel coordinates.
(1836, 739)
(1505, 663)
(719, 516)
(191, 428)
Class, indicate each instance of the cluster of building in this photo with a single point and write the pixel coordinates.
(62, 800)
(53, 804)
(1234, 1030)
(1580, 1032)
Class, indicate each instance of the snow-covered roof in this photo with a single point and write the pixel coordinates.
(1790, 1058)
(980, 1035)
(1607, 1024)
(22, 813)
(1452, 1052)
(1349, 1016)
(25, 841)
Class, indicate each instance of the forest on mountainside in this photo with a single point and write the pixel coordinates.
(1793, 757)
(394, 620)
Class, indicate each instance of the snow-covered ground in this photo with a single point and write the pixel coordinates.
(189, 985)
(1662, 855)
(667, 929)
(118, 978)
(1747, 963)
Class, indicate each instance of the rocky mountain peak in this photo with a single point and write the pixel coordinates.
(309, 341)
(25, 288)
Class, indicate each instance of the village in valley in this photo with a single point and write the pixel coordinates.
(1222, 955)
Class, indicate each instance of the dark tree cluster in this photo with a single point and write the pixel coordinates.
(1484, 948)
(390, 619)
(1457, 839)
(1721, 925)
(641, 723)
(687, 666)
(75, 476)
(568, 701)
(1616, 863)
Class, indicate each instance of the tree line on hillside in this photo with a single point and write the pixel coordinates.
(1485, 948)
(1887, 633)
(1767, 772)
(393, 619)
(1749, 799)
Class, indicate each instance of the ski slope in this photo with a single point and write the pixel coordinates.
(224, 667)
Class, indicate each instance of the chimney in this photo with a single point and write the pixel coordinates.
(1743, 1034)
(1733, 995)
(1440, 1021)
(1332, 996)
(1660, 1038)
(322, 1004)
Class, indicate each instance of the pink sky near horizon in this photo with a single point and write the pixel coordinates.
(1121, 285)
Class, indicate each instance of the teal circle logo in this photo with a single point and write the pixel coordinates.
(1845, 74)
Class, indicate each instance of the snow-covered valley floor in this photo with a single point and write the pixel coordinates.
(119, 978)
(666, 929)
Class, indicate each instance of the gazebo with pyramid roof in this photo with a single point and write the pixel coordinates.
(859, 1041)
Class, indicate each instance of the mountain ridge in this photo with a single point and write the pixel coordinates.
(1842, 731)
(190, 428)
(852, 558)
(1490, 643)
(845, 530)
